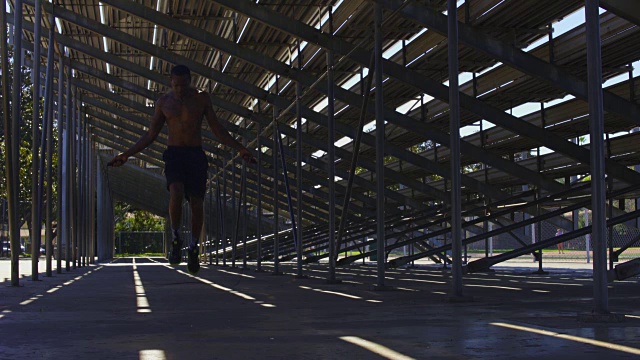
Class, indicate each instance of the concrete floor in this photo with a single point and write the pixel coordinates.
(143, 309)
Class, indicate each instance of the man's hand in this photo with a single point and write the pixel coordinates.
(247, 156)
(118, 160)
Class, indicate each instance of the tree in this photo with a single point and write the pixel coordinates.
(128, 218)
(25, 144)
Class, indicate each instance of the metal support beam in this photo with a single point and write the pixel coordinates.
(299, 200)
(48, 102)
(380, 142)
(61, 123)
(629, 10)
(276, 211)
(598, 187)
(307, 79)
(439, 91)
(36, 224)
(259, 196)
(331, 163)
(9, 148)
(454, 118)
(514, 57)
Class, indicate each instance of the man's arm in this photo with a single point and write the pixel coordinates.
(221, 133)
(157, 122)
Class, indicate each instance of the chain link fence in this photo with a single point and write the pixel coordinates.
(140, 242)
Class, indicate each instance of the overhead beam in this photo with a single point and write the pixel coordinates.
(349, 97)
(103, 93)
(426, 84)
(518, 59)
(628, 10)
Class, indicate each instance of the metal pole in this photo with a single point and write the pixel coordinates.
(454, 118)
(92, 209)
(300, 204)
(234, 243)
(8, 144)
(60, 229)
(224, 215)
(75, 135)
(4, 63)
(211, 220)
(587, 238)
(331, 162)
(81, 188)
(219, 219)
(102, 206)
(276, 236)
(66, 176)
(596, 125)
(14, 153)
(243, 193)
(36, 224)
(259, 201)
(380, 137)
(49, 150)
(610, 208)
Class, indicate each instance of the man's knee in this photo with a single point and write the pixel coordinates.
(176, 189)
(196, 202)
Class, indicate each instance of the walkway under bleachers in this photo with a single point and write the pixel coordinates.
(141, 308)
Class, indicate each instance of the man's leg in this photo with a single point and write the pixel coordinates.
(176, 191)
(176, 195)
(197, 219)
(193, 265)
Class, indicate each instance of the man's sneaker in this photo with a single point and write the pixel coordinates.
(193, 263)
(176, 252)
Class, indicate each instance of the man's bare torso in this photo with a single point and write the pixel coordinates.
(183, 117)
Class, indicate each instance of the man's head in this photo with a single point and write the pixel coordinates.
(180, 79)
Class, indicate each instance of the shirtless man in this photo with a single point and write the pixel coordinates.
(183, 109)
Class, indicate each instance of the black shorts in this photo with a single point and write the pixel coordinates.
(187, 165)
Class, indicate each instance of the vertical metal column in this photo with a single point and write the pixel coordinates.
(454, 118)
(36, 224)
(60, 214)
(67, 175)
(81, 188)
(92, 202)
(234, 234)
(259, 200)
(300, 204)
(331, 161)
(609, 188)
(596, 125)
(102, 207)
(243, 195)
(224, 212)
(276, 228)
(8, 126)
(219, 219)
(48, 101)
(211, 220)
(14, 153)
(538, 193)
(380, 137)
(75, 135)
(274, 151)
(6, 122)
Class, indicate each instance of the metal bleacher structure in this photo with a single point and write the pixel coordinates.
(264, 63)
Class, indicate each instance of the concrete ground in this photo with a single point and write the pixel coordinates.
(141, 308)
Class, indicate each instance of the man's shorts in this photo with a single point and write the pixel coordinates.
(186, 165)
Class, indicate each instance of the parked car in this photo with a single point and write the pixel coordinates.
(7, 249)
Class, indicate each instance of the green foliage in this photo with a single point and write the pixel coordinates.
(129, 219)
(25, 140)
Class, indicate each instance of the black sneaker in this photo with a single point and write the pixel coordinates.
(193, 263)
(176, 252)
